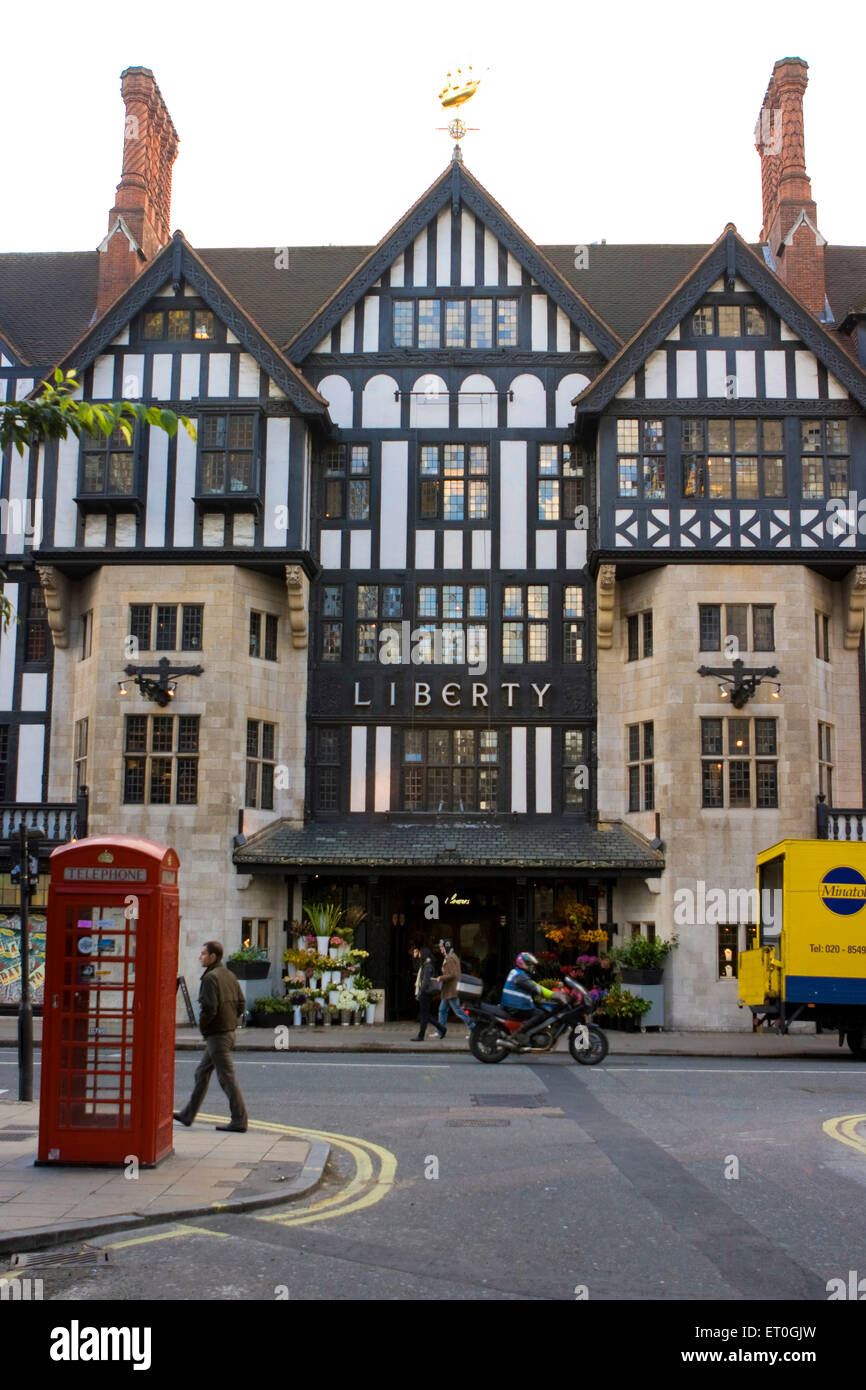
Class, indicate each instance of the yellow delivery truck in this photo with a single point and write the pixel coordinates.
(810, 960)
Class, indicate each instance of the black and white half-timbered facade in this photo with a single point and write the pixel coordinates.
(463, 520)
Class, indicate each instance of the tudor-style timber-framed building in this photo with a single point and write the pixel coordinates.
(463, 519)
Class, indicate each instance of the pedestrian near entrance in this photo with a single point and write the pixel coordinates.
(222, 1008)
(449, 980)
(425, 988)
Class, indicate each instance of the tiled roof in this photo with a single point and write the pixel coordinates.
(47, 299)
(466, 844)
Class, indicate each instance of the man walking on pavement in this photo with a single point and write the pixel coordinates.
(449, 980)
(222, 1008)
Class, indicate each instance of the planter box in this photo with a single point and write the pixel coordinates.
(249, 969)
(641, 977)
(272, 1020)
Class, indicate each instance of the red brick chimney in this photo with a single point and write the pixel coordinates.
(790, 217)
(139, 222)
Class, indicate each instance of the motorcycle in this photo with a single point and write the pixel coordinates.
(497, 1030)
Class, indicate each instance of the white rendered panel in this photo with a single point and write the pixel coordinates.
(2, 388)
(563, 331)
(529, 406)
(338, 393)
(543, 781)
(452, 550)
(477, 403)
(545, 550)
(806, 368)
(716, 373)
(157, 473)
(249, 375)
(512, 539)
(398, 272)
(122, 337)
(161, 388)
(275, 393)
(626, 392)
(360, 550)
(775, 375)
(674, 337)
(277, 481)
(65, 510)
(491, 258)
(467, 248)
(231, 339)
(514, 273)
(34, 519)
(20, 513)
(379, 409)
(23, 387)
(575, 549)
(394, 512)
(425, 550)
(324, 345)
(103, 379)
(586, 344)
(382, 785)
(443, 247)
(518, 770)
(687, 374)
(218, 373)
(358, 801)
(7, 652)
(184, 510)
(419, 260)
(746, 385)
(213, 529)
(133, 376)
(330, 549)
(95, 531)
(190, 375)
(570, 386)
(428, 404)
(656, 376)
(835, 390)
(482, 550)
(125, 530)
(31, 755)
(243, 530)
(371, 323)
(787, 334)
(34, 690)
(539, 323)
(347, 332)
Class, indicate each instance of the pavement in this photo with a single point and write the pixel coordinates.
(270, 1164)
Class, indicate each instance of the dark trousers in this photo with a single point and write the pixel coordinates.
(425, 1007)
(217, 1056)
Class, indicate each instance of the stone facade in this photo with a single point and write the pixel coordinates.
(234, 687)
(718, 847)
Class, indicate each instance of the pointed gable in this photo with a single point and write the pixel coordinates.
(766, 371)
(178, 266)
(455, 236)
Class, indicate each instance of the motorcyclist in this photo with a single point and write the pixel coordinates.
(520, 993)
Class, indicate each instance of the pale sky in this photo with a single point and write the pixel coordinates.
(316, 124)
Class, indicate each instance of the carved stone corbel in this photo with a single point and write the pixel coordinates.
(605, 593)
(55, 587)
(297, 587)
(855, 605)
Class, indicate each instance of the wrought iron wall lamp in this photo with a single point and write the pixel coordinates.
(738, 682)
(161, 690)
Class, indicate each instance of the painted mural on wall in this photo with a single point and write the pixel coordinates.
(10, 958)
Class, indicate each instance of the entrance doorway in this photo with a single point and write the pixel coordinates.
(474, 916)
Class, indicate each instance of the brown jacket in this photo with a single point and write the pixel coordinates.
(222, 1001)
(450, 975)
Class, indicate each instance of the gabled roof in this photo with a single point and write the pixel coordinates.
(458, 186)
(178, 262)
(727, 257)
(9, 348)
(47, 300)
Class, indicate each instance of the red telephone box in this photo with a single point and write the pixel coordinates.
(108, 1021)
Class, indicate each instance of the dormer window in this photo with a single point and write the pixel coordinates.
(180, 325)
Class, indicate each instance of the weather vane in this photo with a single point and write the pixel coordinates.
(452, 97)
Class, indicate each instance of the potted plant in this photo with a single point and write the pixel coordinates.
(641, 961)
(365, 986)
(249, 963)
(269, 1011)
(324, 918)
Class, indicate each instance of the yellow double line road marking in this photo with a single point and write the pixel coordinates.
(366, 1188)
(844, 1128)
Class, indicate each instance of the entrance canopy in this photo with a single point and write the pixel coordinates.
(610, 846)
